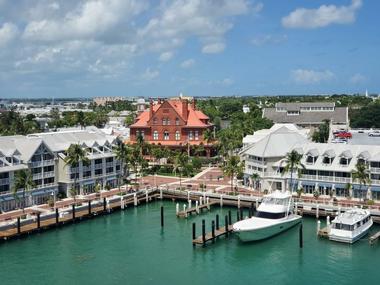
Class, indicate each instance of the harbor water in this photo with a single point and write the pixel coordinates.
(129, 247)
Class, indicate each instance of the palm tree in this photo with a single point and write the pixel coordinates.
(141, 143)
(232, 167)
(23, 179)
(208, 136)
(361, 174)
(292, 163)
(179, 164)
(255, 178)
(122, 154)
(74, 155)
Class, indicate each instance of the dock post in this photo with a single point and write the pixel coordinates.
(162, 216)
(301, 236)
(250, 212)
(221, 200)
(189, 201)
(328, 222)
(296, 207)
(241, 214)
(217, 222)
(204, 197)
(73, 210)
(122, 204)
(318, 226)
(208, 203)
(18, 225)
(203, 232)
(161, 193)
(89, 207)
(213, 231)
(194, 233)
(38, 221)
(146, 196)
(184, 210)
(188, 195)
(317, 212)
(56, 216)
(226, 224)
(237, 216)
(238, 202)
(104, 204)
(196, 207)
(339, 210)
(135, 199)
(177, 208)
(257, 203)
(229, 218)
(200, 201)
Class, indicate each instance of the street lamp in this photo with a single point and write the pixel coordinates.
(54, 198)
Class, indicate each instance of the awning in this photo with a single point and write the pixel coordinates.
(308, 183)
(340, 186)
(327, 185)
(375, 188)
(346, 154)
(330, 153)
(357, 187)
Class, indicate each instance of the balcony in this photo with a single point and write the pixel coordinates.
(4, 181)
(373, 182)
(49, 174)
(343, 179)
(73, 169)
(98, 166)
(310, 177)
(109, 164)
(37, 175)
(36, 163)
(48, 162)
(326, 178)
(374, 169)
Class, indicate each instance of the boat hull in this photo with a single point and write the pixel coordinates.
(348, 239)
(267, 231)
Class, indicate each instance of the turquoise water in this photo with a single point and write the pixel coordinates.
(130, 248)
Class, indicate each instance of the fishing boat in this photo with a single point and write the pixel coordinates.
(274, 215)
(350, 226)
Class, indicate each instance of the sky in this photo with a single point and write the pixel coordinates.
(160, 48)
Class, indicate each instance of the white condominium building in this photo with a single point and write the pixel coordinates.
(328, 167)
(44, 154)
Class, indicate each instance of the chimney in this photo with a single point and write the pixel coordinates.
(184, 109)
(151, 109)
(194, 104)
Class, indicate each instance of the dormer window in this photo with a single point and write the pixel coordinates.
(176, 121)
(327, 160)
(328, 157)
(311, 159)
(155, 121)
(344, 161)
(345, 158)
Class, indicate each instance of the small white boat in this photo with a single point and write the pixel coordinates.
(274, 215)
(350, 226)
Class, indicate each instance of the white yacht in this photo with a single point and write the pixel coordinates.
(274, 215)
(350, 226)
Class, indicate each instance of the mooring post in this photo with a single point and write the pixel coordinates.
(200, 201)
(229, 218)
(221, 200)
(213, 231)
(146, 196)
(56, 216)
(18, 225)
(241, 214)
(161, 193)
(177, 208)
(203, 232)
(122, 203)
(196, 207)
(339, 209)
(226, 224)
(238, 201)
(237, 216)
(301, 236)
(104, 204)
(296, 208)
(73, 210)
(184, 210)
(89, 207)
(189, 204)
(317, 212)
(318, 226)
(217, 221)
(250, 212)
(162, 216)
(208, 203)
(257, 203)
(194, 233)
(188, 195)
(38, 221)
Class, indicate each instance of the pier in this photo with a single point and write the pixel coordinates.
(374, 238)
(197, 209)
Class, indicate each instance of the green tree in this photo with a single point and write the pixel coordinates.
(255, 178)
(293, 163)
(322, 134)
(362, 175)
(180, 161)
(122, 153)
(74, 155)
(23, 180)
(232, 168)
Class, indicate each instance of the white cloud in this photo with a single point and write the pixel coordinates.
(165, 56)
(150, 74)
(188, 63)
(8, 32)
(321, 17)
(269, 39)
(227, 81)
(358, 78)
(305, 76)
(213, 48)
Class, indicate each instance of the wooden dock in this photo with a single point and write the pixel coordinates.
(323, 233)
(187, 212)
(374, 238)
(212, 236)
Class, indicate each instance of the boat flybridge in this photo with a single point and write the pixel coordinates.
(274, 215)
(350, 226)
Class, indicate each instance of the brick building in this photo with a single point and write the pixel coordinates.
(175, 123)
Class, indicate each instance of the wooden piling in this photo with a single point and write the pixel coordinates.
(104, 204)
(203, 232)
(56, 216)
(162, 216)
(217, 222)
(213, 231)
(18, 225)
(229, 218)
(237, 216)
(241, 214)
(226, 225)
(194, 231)
(89, 207)
(38, 221)
(73, 207)
(301, 236)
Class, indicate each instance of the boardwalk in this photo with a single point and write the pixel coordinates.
(212, 236)
(196, 209)
(374, 238)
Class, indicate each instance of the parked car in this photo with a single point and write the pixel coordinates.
(374, 134)
(339, 140)
(346, 135)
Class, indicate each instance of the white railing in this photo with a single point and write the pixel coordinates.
(37, 175)
(48, 162)
(375, 181)
(308, 176)
(49, 174)
(326, 178)
(109, 164)
(374, 169)
(4, 181)
(343, 179)
(36, 163)
(98, 166)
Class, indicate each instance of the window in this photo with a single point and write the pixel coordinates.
(142, 133)
(196, 135)
(327, 160)
(166, 135)
(154, 121)
(176, 121)
(164, 122)
(177, 136)
(155, 135)
(310, 159)
(190, 135)
(168, 121)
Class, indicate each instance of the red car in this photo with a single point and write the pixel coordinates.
(345, 135)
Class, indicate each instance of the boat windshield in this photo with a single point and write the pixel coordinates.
(344, 227)
(268, 215)
(276, 201)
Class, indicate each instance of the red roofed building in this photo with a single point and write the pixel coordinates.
(173, 123)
